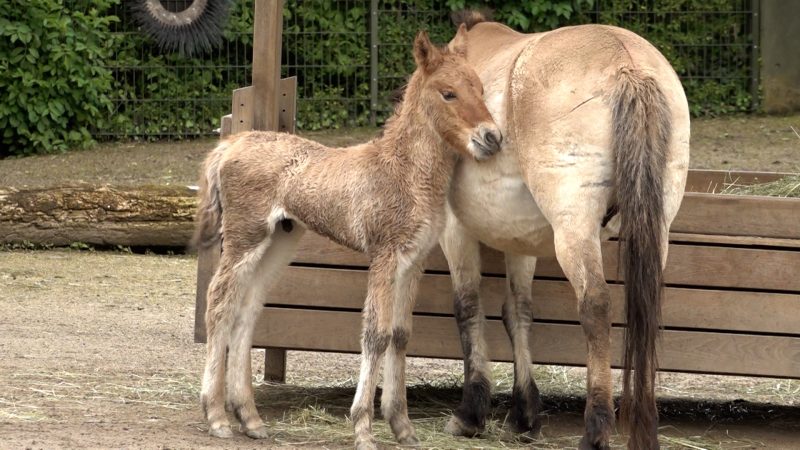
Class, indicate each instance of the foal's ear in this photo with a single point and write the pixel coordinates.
(459, 43)
(426, 55)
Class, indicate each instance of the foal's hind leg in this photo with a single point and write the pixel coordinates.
(277, 255)
(578, 252)
(517, 318)
(394, 405)
(225, 294)
(463, 257)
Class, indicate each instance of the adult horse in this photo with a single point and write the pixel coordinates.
(597, 129)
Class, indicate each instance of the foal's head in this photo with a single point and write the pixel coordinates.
(451, 96)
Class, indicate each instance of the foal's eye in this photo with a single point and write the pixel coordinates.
(448, 95)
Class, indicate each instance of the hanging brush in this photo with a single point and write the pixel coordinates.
(198, 28)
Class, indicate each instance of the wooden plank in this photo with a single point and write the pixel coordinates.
(552, 300)
(242, 110)
(699, 180)
(735, 241)
(739, 215)
(225, 126)
(267, 30)
(688, 265)
(437, 337)
(287, 104)
(207, 260)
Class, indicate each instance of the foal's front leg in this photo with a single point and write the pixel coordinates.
(394, 405)
(375, 338)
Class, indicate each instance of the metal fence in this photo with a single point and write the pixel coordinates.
(350, 58)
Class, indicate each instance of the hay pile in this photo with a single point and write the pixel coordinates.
(785, 187)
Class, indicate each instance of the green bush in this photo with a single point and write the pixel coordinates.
(55, 88)
(706, 46)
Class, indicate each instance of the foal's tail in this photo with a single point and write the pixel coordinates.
(641, 133)
(208, 222)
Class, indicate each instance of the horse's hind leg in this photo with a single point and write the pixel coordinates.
(463, 257)
(280, 248)
(579, 254)
(394, 405)
(517, 318)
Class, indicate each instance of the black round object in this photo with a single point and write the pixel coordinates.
(196, 28)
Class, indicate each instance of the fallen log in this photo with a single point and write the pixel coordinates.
(98, 215)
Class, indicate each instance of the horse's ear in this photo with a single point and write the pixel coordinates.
(459, 43)
(426, 55)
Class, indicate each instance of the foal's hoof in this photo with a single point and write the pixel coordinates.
(257, 433)
(221, 431)
(457, 427)
(366, 445)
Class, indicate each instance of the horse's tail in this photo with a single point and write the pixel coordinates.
(640, 139)
(208, 222)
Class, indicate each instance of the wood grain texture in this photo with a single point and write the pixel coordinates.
(98, 215)
(552, 301)
(691, 351)
(739, 215)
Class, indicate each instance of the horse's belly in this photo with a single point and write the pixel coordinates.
(491, 200)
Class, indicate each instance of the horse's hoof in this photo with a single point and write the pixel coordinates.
(221, 431)
(257, 433)
(524, 437)
(457, 427)
(585, 444)
(410, 441)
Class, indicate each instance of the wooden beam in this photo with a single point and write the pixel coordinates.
(267, 31)
(437, 337)
(687, 265)
(761, 312)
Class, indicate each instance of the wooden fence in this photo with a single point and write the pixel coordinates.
(732, 302)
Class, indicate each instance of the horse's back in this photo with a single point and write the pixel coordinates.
(561, 95)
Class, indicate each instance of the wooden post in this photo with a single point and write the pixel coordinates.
(267, 30)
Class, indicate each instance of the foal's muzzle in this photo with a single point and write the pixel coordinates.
(486, 141)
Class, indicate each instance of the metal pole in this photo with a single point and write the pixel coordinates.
(373, 62)
(755, 53)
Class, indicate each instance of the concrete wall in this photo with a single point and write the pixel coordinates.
(780, 55)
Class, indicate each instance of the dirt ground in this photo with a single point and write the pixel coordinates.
(96, 348)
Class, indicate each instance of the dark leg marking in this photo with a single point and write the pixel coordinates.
(476, 397)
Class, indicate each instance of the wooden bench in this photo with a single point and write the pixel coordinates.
(732, 301)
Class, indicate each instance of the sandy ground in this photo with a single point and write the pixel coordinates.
(96, 348)
(740, 143)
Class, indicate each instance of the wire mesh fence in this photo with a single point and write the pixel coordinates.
(350, 55)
